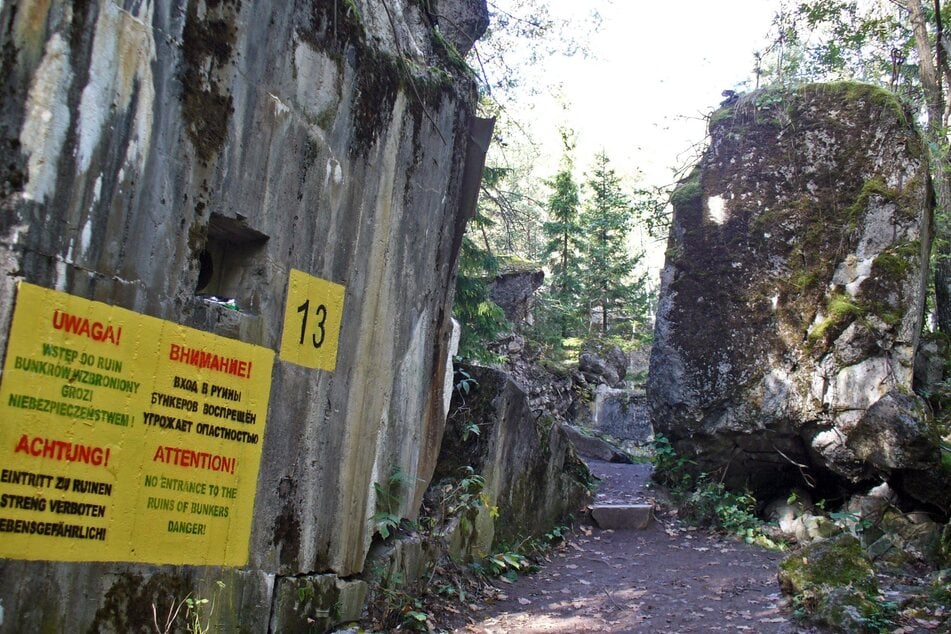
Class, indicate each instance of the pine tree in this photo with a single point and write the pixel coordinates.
(605, 221)
(563, 246)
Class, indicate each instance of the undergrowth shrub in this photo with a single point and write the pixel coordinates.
(701, 501)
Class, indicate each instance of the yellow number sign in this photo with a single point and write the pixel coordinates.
(312, 321)
(126, 438)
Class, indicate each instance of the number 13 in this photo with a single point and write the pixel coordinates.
(321, 314)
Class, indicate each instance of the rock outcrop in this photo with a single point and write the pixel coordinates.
(159, 154)
(792, 294)
(551, 390)
(607, 369)
(514, 287)
(532, 474)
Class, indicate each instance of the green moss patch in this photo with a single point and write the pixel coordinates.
(833, 583)
(840, 310)
(688, 191)
(835, 562)
(509, 264)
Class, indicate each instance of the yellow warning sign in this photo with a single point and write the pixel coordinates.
(312, 321)
(125, 437)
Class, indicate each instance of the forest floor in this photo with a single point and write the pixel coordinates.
(666, 578)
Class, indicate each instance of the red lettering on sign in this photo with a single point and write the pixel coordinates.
(52, 449)
(95, 330)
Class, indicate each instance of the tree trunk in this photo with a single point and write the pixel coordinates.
(940, 166)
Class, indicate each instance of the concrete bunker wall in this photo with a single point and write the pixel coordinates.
(178, 160)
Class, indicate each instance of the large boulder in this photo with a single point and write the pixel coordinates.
(834, 582)
(792, 293)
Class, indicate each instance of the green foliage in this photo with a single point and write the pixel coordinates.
(522, 34)
(506, 563)
(481, 319)
(819, 40)
(711, 504)
(563, 247)
(670, 468)
(703, 502)
(464, 382)
(399, 609)
(468, 497)
(652, 210)
(387, 519)
(198, 613)
(414, 617)
(608, 282)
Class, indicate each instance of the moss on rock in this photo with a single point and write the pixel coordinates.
(688, 191)
(833, 582)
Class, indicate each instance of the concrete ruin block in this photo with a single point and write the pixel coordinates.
(622, 516)
(180, 160)
(532, 474)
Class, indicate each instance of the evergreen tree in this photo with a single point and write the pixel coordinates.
(481, 319)
(563, 244)
(606, 221)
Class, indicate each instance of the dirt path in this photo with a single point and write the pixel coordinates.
(667, 578)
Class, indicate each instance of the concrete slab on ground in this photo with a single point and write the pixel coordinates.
(621, 516)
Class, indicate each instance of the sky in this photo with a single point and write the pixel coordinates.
(655, 69)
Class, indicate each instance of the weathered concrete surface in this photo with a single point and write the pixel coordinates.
(531, 472)
(622, 414)
(792, 293)
(329, 137)
(594, 447)
(622, 516)
(316, 603)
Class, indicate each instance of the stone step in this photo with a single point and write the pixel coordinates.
(621, 516)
